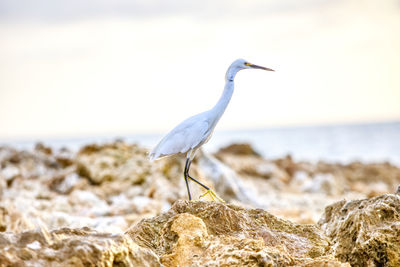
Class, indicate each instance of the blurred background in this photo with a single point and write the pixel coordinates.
(73, 72)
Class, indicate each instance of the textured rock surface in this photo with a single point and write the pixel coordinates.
(51, 187)
(240, 149)
(115, 161)
(108, 188)
(217, 234)
(226, 181)
(365, 232)
(72, 247)
(300, 191)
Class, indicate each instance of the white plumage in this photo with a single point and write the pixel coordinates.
(193, 132)
(186, 136)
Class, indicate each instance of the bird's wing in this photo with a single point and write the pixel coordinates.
(184, 137)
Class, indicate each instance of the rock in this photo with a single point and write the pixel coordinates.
(200, 233)
(370, 179)
(322, 183)
(324, 261)
(72, 247)
(45, 185)
(9, 173)
(254, 167)
(288, 165)
(398, 190)
(365, 232)
(40, 147)
(377, 189)
(65, 184)
(3, 222)
(65, 157)
(115, 161)
(3, 186)
(250, 163)
(226, 181)
(239, 149)
(111, 187)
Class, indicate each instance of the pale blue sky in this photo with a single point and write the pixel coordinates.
(120, 67)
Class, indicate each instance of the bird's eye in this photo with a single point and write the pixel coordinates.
(247, 64)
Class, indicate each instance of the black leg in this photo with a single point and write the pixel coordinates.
(185, 174)
(193, 179)
(209, 192)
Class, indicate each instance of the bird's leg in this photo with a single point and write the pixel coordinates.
(185, 174)
(212, 194)
(193, 179)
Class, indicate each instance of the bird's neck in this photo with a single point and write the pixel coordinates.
(226, 96)
(231, 73)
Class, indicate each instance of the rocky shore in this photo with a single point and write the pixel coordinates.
(107, 205)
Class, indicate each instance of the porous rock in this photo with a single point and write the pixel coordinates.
(226, 181)
(197, 233)
(365, 232)
(114, 161)
(239, 149)
(72, 247)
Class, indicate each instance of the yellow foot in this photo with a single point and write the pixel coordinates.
(213, 196)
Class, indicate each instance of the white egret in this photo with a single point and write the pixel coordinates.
(193, 132)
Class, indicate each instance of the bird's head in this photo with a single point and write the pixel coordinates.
(244, 64)
(241, 64)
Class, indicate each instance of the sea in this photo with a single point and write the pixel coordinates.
(367, 143)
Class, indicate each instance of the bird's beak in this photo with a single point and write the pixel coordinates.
(259, 67)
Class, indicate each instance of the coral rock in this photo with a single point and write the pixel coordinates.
(116, 161)
(239, 149)
(218, 234)
(72, 247)
(226, 180)
(365, 232)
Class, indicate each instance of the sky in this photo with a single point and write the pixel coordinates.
(79, 68)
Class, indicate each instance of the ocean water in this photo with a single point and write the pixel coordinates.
(333, 143)
(376, 142)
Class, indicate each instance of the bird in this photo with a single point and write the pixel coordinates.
(188, 136)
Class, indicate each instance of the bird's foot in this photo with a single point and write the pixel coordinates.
(212, 195)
